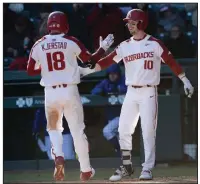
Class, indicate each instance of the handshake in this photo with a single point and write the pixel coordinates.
(105, 45)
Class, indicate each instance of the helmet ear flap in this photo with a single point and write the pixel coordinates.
(140, 25)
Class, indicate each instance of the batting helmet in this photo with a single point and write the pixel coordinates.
(137, 15)
(57, 21)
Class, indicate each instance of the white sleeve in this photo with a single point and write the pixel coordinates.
(119, 56)
(77, 49)
(159, 51)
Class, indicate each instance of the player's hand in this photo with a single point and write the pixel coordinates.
(189, 89)
(107, 42)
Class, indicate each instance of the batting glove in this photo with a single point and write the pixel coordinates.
(107, 42)
(189, 89)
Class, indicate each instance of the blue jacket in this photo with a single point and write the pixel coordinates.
(107, 87)
(40, 122)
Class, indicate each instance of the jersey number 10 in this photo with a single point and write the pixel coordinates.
(148, 64)
(55, 61)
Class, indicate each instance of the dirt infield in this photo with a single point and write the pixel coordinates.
(178, 174)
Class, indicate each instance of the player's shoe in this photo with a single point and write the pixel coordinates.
(121, 172)
(146, 175)
(85, 176)
(59, 171)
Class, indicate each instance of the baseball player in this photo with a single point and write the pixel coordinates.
(56, 55)
(142, 55)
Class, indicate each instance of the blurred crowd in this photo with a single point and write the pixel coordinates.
(25, 23)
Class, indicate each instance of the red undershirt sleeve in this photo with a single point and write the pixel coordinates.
(114, 57)
(168, 58)
(107, 61)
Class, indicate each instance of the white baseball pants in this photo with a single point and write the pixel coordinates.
(140, 102)
(66, 100)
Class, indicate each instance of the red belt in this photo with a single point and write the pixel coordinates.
(60, 85)
(142, 86)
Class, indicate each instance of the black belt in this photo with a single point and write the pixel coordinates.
(60, 85)
(142, 86)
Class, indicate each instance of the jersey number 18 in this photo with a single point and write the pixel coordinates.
(55, 61)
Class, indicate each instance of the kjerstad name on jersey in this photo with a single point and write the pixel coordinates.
(54, 45)
(134, 57)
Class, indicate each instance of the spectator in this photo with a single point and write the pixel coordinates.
(34, 9)
(169, 19)
(127, 7)
(114, 84)
(68, 145)
(192, 28)
(78, 25)
(16, 7)
(9, 18)
(18, 42)
(46, 9)
(192, 8)
(105, 19)
(20, 63)
(179, 44)
(156, 6)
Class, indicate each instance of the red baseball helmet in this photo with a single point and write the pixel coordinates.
(57, 21)
(137, 15)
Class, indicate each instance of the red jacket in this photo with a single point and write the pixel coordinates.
(102, 24)
(19, 63)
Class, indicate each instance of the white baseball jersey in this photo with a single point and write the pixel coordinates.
(57, 56)
(142, 60)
